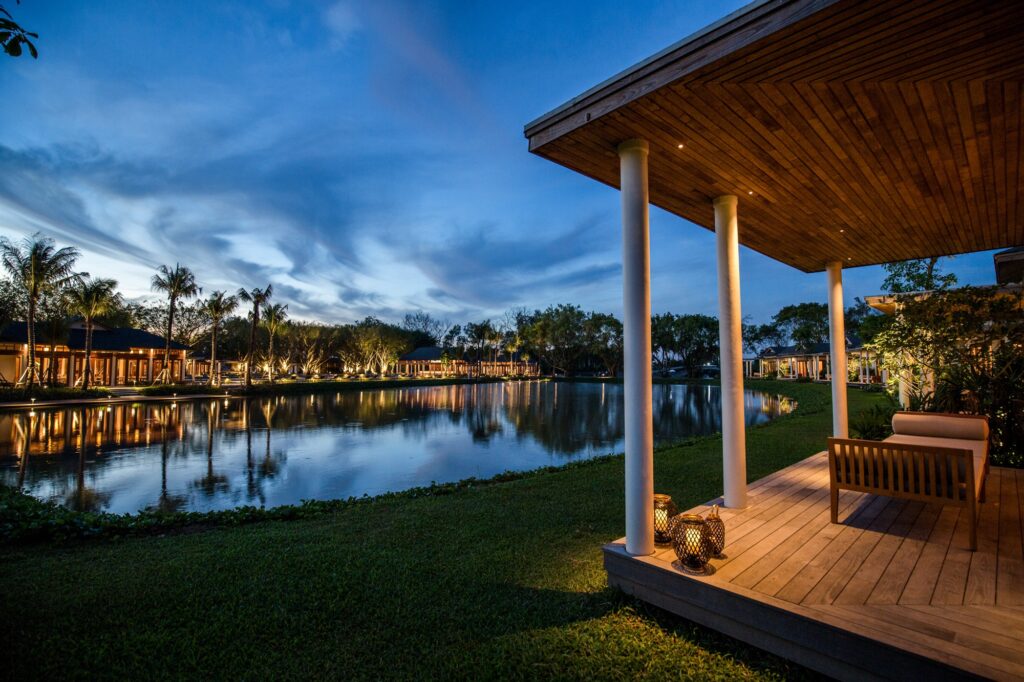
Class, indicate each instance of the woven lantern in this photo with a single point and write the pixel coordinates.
(689, 540)
(716, 532)
(664, 510)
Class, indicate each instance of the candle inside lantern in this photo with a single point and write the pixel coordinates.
(661, 518)
(693, 537)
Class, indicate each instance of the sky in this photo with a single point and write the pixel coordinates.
(367, 158)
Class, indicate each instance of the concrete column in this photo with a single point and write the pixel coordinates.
(837, 346)
(636, 375)
(730, 343)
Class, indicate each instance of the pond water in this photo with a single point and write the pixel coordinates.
(216, 454)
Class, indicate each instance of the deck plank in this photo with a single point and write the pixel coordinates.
(1010, 559)
(981, 577)
(859, 582)
(920, 587)
(890, 586)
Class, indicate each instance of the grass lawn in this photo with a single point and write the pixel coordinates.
(498, 580)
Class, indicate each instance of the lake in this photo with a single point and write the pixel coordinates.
(216, 454)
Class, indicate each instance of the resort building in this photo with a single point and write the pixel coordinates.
(435, 362)
(120, 356)
(813, 362)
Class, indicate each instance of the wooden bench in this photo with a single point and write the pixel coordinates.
(929, 458)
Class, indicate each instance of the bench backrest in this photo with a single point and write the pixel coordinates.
(940, 425)
(915, 472)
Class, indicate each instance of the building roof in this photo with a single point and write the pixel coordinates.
(424, 353)
(1010, 265)
(103, 338)
(852, 343)
(860, 132)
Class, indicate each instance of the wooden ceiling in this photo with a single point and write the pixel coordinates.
(866, 132)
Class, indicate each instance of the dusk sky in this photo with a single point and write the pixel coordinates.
(364, 157)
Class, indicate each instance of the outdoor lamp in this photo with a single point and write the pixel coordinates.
(689, 540)
(664, 510)
(716, 532)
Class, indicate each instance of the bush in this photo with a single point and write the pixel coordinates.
(17, 395)
(874, 423)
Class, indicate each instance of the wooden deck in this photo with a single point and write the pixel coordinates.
(891, 592)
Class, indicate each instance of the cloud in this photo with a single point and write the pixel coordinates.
(342, 22)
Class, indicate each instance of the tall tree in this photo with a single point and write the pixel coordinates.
(696, 341)
(37, 267)
(805, 324)
(604, 336)
(53, 328)
(218, 306)
(923, 274)
(274, 318)
(258, 297)
(91, 298)
(178, 283)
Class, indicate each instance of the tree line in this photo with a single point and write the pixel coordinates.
(43, 288)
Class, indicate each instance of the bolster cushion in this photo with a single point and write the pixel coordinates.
(965, 427)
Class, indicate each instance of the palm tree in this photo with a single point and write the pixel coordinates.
(273, 319)
(178, 282)
(37, 267)
(218, 306)
(257, 297)
(52, 329)
(92, 298)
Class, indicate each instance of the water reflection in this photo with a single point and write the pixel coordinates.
(212, 454)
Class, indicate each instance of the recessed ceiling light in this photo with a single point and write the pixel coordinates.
(841, 231)
(848, 258)
(680, 146)
(751, 193)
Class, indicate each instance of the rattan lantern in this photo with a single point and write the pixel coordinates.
(689, 540)
(664, 510)
(716, 532)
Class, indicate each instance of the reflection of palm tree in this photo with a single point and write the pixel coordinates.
(166, 502)
(268, 468)
(83, 498)
(26, 442)
(211, 483)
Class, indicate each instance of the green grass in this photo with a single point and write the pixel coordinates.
(502, 580)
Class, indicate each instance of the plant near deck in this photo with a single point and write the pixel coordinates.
(218, 306)
(37, 267)
(178, 283)
(91, 298)
(963, 349)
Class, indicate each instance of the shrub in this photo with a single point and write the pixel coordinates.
(874, 423)
(17, 395)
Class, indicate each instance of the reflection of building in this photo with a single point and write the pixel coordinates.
(120, 356)
(433, 361)
(813, 362)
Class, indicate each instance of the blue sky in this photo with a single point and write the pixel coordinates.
(365, 157)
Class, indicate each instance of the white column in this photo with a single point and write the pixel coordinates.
(730, 343)
(837, 346)
(636, 374)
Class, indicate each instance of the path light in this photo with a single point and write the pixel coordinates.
(664, 510)
(689, 540)
(715, 532)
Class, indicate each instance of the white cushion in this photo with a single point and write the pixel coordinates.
(966, 427)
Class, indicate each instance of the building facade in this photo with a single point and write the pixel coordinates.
(434, 362)
(120, 357)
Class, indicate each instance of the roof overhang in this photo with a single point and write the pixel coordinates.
(865, 132)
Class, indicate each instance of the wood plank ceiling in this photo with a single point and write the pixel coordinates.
(865, 132)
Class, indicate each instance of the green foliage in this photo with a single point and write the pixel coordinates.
(963, 351)
(874, 423)
(19, 395)
(916, 275)
(13, 37)
(804, 324)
